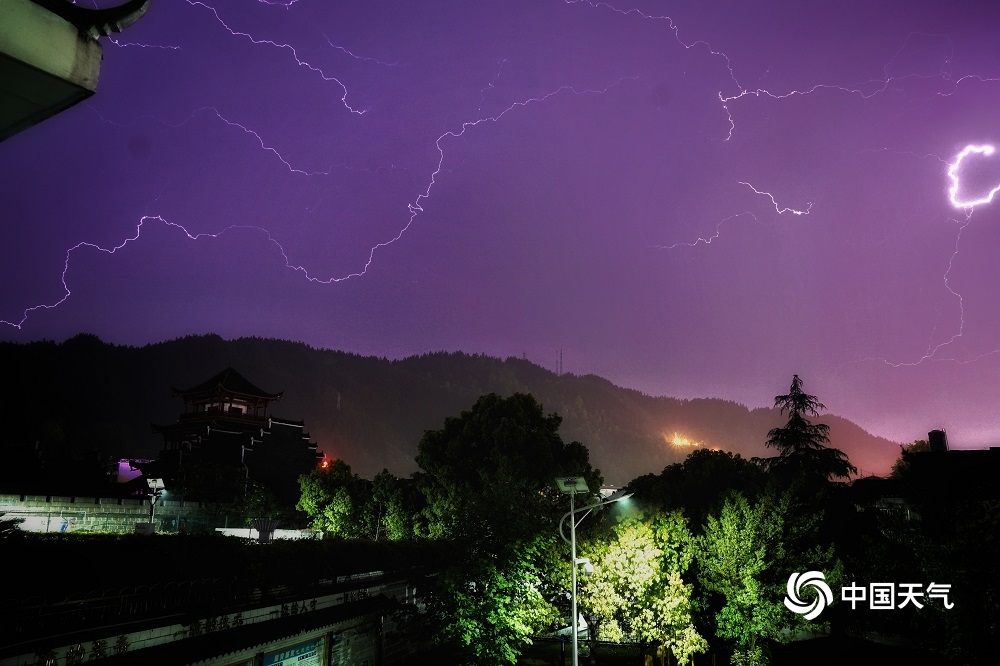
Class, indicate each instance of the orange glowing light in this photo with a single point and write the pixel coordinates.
(682, 441)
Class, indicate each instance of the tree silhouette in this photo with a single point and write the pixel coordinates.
(10, 527)
(801, 445)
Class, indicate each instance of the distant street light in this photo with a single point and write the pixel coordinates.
(572, 486)
(156, 490)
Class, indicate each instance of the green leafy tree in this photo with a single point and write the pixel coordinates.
(801, 445)
(343, 504)
(338, 501)
(636, 592)
(488, 479)
(395, 502)
(490, 607)
(747, 553)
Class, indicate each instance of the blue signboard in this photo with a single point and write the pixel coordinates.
(303, 654)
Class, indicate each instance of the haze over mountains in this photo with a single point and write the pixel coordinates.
(84, 394)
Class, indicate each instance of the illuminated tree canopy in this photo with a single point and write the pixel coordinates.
(636, 592)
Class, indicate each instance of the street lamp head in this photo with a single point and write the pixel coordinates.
(618, 496)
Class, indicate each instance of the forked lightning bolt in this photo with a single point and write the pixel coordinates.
(932, 351)
(968, 205)
(727, 99)
(414, 208)
(705, 241)
(84, 245)
(865, 90)
(781, 211)
(278, 45)
(121, 44)
(346, 51)
(718, 227)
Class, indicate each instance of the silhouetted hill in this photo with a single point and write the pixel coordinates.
(84, 395)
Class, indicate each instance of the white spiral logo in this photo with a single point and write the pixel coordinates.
(813, 579)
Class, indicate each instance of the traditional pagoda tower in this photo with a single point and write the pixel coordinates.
(225, 438)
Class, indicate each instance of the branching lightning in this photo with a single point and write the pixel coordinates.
(932, 350)
(121, 44)
(414, 208)
(781, 211)
(968, 206)
(285, 5)
(708, 240)
(866, 90)
(84, 245)
(718, 227)
(259, 139)
(599, 4)
(243, 128)
(346, 51)
(491, 85)
(287, 47)
(727, 99)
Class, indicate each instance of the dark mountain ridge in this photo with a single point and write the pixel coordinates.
(84, 395)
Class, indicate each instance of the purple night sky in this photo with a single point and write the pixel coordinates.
(691, 199)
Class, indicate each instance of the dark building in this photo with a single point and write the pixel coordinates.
(937, 440)
(225, 439)
(945, 483)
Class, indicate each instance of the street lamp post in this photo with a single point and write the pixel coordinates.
(156, 490)
(573, 485)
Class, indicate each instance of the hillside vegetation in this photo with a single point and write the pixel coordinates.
(84, 395)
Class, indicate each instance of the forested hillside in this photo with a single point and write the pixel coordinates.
(85, 395)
